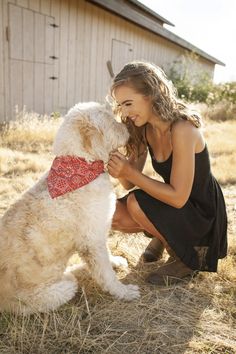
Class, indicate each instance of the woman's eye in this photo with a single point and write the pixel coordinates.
(128, 104)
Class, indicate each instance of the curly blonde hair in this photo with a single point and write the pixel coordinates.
(150, 80)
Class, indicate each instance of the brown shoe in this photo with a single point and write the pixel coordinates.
(170, 273)
(170, 259)
(154, 251)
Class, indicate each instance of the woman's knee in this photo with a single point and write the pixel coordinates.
(133, 207)
(138, 215)
(117, 214)
(122, 220)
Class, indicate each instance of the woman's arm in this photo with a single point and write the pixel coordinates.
(184, 141)
(137, 164)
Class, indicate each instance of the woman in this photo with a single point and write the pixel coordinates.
(185, 213)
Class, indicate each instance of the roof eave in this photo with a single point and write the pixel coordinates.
(153, 13)
(141, 20)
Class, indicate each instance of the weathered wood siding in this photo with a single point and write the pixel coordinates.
(83, 39)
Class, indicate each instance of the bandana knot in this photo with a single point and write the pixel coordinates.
(69, 173)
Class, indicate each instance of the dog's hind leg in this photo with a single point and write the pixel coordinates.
(47, 297)
(97, 258)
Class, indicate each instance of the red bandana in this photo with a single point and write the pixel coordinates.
(69, 173)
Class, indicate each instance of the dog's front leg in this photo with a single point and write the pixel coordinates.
(97, 259)
(118, 261)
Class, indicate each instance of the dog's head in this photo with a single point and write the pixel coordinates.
(90, 131)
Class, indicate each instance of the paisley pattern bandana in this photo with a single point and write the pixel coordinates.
(69, 173)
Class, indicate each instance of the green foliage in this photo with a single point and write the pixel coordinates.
(189, 87)
(198, 87)
(222, 93)
(55, 115)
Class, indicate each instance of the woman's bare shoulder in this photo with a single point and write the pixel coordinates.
(185, 131)
(184, 127)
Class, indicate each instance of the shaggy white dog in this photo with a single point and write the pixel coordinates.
(38, 234)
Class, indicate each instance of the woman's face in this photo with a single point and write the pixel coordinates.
(135, 106)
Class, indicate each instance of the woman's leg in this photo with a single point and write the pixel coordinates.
(122, 220)
(141, 219)
(130, 218)
(171, 272)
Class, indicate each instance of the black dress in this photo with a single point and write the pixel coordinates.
(197, 232)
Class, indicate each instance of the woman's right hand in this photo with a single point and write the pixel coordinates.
(119, 166)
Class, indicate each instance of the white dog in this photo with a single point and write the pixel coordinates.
(56, 218)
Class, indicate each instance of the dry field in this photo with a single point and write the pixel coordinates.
(194, 317)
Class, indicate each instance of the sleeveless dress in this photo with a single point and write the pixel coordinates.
(197, 232)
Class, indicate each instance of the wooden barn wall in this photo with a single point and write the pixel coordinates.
(85, 39)
(2, 78)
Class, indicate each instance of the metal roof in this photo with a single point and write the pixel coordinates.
(123, 9)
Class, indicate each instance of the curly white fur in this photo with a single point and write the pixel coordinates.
(39, 234)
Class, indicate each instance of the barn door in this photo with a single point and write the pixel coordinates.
(31, 58)
(121, 54)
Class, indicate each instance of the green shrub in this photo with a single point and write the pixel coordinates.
(224, 92)
(195, 87)
(189, 87)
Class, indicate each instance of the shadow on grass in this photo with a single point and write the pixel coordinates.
(164, 320)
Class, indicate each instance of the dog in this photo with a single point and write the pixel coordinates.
(58, 217)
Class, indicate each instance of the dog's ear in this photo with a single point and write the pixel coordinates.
(87, 131)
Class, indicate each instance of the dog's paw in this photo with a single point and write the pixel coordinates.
(128, 292)
(75, 268)
(118, 261)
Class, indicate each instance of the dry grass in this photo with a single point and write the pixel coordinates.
(194, 317)
(29, 132)
(221, 111)
(222, 145)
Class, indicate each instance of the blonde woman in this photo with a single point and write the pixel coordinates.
(185, 213)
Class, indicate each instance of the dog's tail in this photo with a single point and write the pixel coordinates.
(43, 298)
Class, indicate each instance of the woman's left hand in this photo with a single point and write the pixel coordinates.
(118, 165)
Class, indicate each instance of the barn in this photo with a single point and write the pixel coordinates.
(54, 53)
